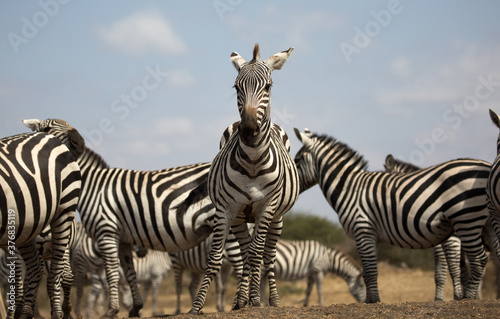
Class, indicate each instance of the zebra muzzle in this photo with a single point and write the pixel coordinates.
(249, 127)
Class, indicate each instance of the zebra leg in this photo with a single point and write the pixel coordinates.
(452, 251)
(108, 246)
(67, 283)
(127, 263)
(310, 284)
(214, 262)
(439, 271)
(273, 233)
(366, 244)
(242, 235)
(80, 276)
(474, 250)
(178, 282)
(319, 287)
(61, 232)
(218, 292)
(93, 295)
(155, 287)
(32, 279)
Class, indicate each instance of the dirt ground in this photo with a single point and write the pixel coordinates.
(405, 293)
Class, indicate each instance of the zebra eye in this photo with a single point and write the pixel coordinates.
(268, 86)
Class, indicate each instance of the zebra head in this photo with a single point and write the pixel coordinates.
(68, 135)
(304, 160)
(496, 120)
(253, 88)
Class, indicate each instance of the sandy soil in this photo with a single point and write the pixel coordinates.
(405, 293)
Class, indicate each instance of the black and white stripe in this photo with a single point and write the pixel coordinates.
(120, 208)
(417, 210)
(447, 254)
(252, 179)
(493, 187)
(195, 260)
(310, 259)
(40, 182)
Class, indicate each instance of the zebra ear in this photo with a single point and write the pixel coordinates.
(304, 138)
(237, 60)
(389, 163)
(494, 117)
(276, 61)
(76, 141)
(32, 124)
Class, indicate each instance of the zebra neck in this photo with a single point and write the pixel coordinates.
(90, 161)
(342, 267)
(253, 153)
(336, 171)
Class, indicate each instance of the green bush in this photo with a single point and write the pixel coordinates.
(303, 226)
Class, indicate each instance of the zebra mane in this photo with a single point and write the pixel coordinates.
(332, 143)
(89, 157)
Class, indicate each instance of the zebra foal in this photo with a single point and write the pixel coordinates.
(298, 259)
(40, 184)
(416, 210)
(252, 179)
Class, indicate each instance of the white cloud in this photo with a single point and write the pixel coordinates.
(141, 33)
(181, 79)
(442, 81)
(401, 67)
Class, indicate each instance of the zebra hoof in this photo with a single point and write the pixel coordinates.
(193, 312)
(110, 314)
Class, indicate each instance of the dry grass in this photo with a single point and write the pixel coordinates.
(397, 285)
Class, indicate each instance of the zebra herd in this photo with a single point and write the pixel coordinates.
(198, 213)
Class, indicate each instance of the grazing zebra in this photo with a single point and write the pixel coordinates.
(252, 179)
(153, 209)
(310, 259)
(40, 186)
(416, 210)
(195, 261)
(446, 255)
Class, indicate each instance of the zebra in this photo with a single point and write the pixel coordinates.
(252, 179)
(154, 209)
(151, 269)
(417, 210)
(195, 261)
(493, 188)
(447, 254)
(40, 185)
(298, 259)
(43, 245)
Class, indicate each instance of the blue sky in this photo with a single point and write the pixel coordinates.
(149, 83)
